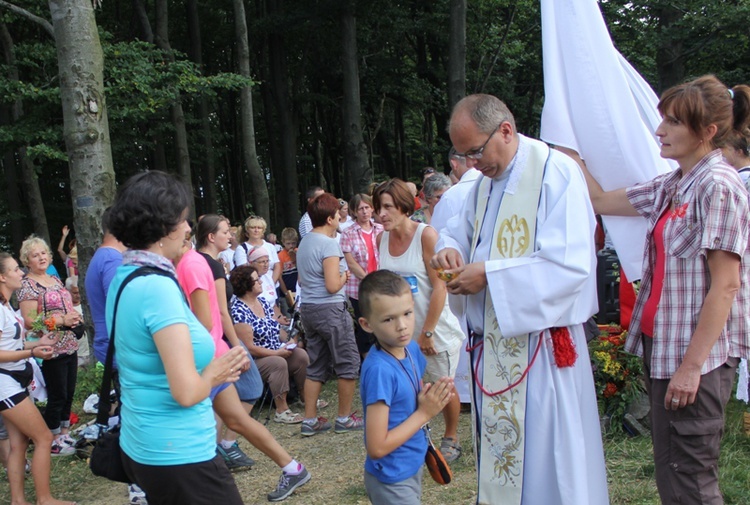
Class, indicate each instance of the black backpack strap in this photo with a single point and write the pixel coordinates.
(102, 416)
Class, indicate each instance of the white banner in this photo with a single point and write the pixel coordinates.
(597, 104)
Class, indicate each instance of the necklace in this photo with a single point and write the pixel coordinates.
(415, 381)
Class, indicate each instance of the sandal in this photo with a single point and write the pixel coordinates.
(322, 403)
(288, 417)
(450, 449)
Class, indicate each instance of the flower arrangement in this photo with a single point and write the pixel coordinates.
(617, 374)
(40, 326)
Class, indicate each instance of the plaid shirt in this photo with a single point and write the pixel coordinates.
(709, 212)
(352, 242)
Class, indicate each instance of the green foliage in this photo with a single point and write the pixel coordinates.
(89, 382)
(617, 374)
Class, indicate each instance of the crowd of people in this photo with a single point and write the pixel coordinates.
(390, 287)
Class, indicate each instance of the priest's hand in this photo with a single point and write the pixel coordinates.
(471, 279)
(447, 259)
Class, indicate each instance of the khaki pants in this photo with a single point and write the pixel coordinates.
(686, 441)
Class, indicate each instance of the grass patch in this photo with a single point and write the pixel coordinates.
(336, 463)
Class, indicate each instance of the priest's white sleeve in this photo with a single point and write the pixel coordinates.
(556, 285)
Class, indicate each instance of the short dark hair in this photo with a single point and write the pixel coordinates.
(148, 207)
(380, 282)
(311, 191)
(207, 225)
(241, 278)
(321, 208)
(397, 189)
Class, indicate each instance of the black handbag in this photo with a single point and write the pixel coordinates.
(106, 456)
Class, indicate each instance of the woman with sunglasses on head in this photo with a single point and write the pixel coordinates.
(22, 419)
(691, 317)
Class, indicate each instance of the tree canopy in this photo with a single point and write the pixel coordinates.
(301, 89)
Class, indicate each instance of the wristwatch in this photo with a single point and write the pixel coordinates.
(428, 334)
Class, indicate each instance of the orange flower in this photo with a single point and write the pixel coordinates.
(50, 324)
(610, 390)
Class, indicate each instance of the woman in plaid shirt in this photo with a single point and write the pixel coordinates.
(691, 317)
(358, 243)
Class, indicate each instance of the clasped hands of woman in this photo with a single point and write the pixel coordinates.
(227, 367)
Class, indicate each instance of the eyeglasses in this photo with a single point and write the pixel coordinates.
(262, 262)
(428, 170)
(476, 154)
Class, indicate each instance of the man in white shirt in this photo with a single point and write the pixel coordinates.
(305, 225)
(452, 201)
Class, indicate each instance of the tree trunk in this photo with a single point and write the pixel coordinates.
(209, 167)
(249, 153)
(286, 173)
(357, 169)
(457, 53)
(85, 125)
(147, 34)
(669, 55)
(28, 171)
(176, 114)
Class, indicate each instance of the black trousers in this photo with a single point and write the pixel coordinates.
(60, 374)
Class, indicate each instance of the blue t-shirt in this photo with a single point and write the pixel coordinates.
(99, 275)
(156, 430)
(383, 379)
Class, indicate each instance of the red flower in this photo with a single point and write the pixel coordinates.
(610, 390)
(50, 324)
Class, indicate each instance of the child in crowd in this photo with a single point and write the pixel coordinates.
(288, 259)
(396, 405)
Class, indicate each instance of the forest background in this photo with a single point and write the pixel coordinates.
(252, 101)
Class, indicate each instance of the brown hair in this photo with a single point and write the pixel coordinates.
(321, 208)
(397, 189)
(380, 282)
(705, 101)
(4, 257)
(207, 225)
(288, 234)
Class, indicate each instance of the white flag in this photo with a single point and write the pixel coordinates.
(597, 104)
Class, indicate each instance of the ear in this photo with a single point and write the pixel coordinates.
(710, 132)
(506, 131)
(365, 325)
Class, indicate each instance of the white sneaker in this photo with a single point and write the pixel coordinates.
(137, 496)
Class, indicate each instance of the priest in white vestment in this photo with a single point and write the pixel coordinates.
(523, 250)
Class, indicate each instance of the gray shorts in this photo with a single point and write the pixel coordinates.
(405, 492)
(329, 331)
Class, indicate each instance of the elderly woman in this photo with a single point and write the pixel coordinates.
(259, 259)
(325, 318)
(22, 419)
(434, 187)
(406, 247)
(256, 323)
(252, 238)
(44, 296)
(359, 244)
(164, 354)
(691, 316)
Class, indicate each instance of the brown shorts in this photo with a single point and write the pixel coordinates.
(329, 331)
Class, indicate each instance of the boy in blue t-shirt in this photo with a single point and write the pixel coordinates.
(396, 405)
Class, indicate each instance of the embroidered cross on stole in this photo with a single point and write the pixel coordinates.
(501, 434)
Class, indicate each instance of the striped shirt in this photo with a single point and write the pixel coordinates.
(709, 211)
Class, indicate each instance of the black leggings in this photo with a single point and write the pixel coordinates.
(60, 374)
